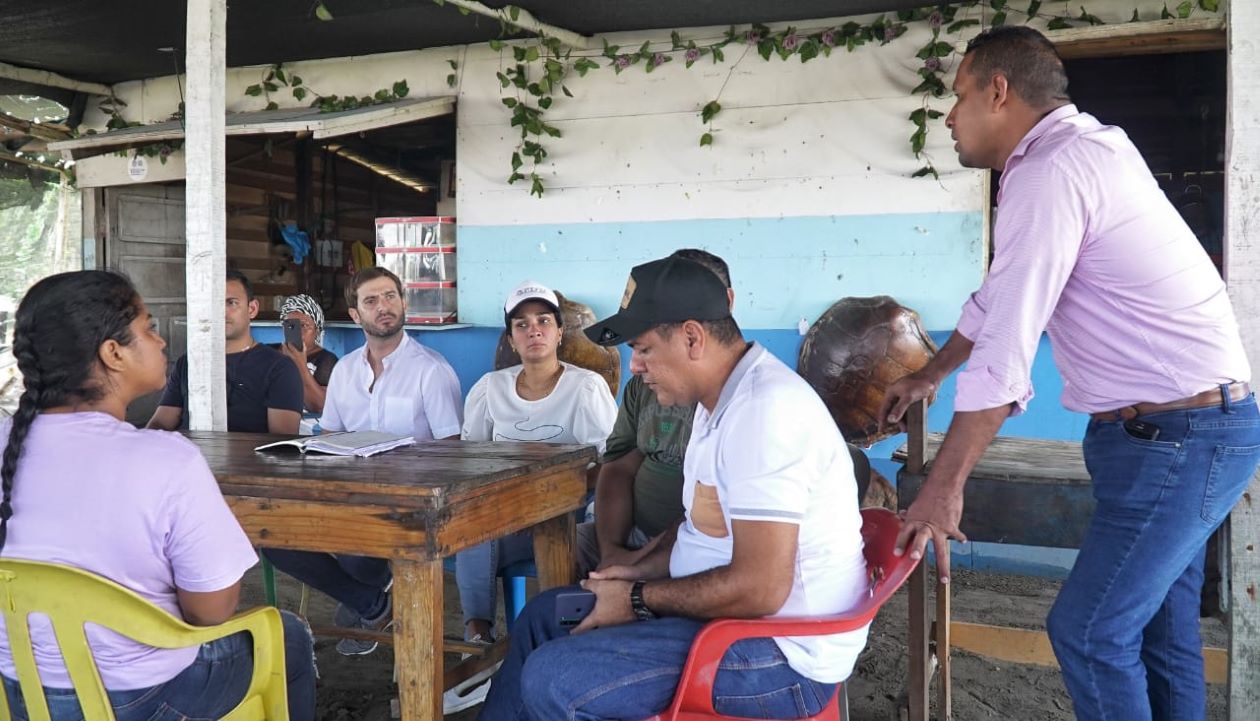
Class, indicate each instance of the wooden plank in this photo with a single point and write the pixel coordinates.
(1141, 38)
(1019, 458)
(50, 79)
(917, 438)
(206, 214)
(418, 638)
(515, 506)
(920, 664)
(367, 530)
(1022, 645)
(554, 551)
(1242, 274)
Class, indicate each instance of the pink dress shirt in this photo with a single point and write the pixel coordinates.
(1088, 248)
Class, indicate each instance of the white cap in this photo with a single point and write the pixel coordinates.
(529, 290)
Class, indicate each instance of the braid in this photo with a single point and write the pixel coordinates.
(59, 326)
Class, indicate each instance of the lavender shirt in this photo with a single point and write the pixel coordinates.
(1088, 248)
(136, 506)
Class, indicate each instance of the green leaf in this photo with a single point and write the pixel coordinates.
(503, 79)
(645, 49)
(918, 140)
(517, 162)
(510, 102)
(280, 76)
(272, 106)
(1058, 24)
(925, 171)
(496, 45)
(1210, 5)
(451, 80)
(999, 19)
(960, 24)
(1183, 10)
(299, 93)
(566, 92)
(1164, 14)
(536, 186)
(809, 50)
(531, 54)
(401, 89)
(534, 89)
(321, 11)
(551, 130)
(675, 40)
(454, 65)
(934, 114)
(1135, 17)
(295, 80)
(1091, 19)
(1033, 7)
(381, 95)
(765, 48)
(515, 177)
(464, 11)
(271, 87)
(706, 139)
(514, 12)
(439, 3)
(711, 109)
(518, 53)
(252, 91)
(544, 103)
(718, 55)
(998, 5)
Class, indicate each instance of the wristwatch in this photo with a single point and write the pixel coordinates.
(641, 611)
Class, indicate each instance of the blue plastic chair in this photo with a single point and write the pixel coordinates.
(513, 586)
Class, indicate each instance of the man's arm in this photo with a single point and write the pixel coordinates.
(614, 505)
(283, 421)
(755, 583)
(924, 382)
(166, 418)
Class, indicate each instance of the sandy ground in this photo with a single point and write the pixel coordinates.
(360, 688)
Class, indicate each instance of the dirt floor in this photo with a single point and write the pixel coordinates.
(361, 688)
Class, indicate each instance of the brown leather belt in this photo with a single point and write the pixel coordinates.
(1237, 392)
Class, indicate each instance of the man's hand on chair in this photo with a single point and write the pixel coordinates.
(932, 517)
(899, 396)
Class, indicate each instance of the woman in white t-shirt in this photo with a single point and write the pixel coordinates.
(146, 513)
(544, 400)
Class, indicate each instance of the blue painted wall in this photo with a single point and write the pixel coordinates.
(783, 269)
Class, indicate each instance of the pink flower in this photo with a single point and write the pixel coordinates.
(791, 41)
(933, 64)
(935, 20)
(623, 62)
(829, 38)
(894, 31)
(752, 37)
(658, 59)
(692, 55)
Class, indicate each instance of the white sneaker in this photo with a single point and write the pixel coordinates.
(469, 693)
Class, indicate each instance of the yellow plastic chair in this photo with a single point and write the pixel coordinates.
(71, 598)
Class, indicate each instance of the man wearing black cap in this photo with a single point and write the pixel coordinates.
(772, 528)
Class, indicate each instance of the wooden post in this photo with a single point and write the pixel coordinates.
(920, 620)
(945, 687)
(554, 551)
(1242, 273)
(418, 638)
(206, 213)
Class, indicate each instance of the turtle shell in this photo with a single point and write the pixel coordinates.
(854, 351)
(575, 347)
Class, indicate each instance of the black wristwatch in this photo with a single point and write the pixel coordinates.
(641, 611)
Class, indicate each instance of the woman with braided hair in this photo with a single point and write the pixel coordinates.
(146, 513)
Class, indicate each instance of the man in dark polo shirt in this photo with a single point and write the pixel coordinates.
(264, 390)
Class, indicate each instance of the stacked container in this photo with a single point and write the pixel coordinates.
(421, 252)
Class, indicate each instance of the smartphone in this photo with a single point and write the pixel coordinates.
(573, 606)
(1142, 429)
(293, 333)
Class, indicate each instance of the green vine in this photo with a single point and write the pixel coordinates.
(275, 79)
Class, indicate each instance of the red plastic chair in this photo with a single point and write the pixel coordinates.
(694, 699)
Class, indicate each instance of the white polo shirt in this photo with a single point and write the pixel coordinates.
(417, 393)
(770, 451)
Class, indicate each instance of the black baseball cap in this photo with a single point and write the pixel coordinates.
(669, 290)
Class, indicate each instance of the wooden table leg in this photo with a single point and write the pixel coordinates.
(418, 638)
(554, 551)
(944, 698)
(920, 665)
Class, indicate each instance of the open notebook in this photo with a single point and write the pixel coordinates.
(347, 443)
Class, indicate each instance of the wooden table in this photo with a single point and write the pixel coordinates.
(414, 506)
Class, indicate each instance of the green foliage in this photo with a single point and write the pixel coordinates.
(321, 11)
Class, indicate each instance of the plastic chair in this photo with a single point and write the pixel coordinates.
(694, 698)
(71, 598)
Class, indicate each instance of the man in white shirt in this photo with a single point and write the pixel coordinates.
(772, 528)
(391, 384)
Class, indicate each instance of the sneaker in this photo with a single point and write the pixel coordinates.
(346, 617)
(472, 691)
(362, 647)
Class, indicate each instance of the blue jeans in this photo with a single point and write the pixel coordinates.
(1125, 626)
(631, 672)
(359, 582)
(477, 568)
(213, 685)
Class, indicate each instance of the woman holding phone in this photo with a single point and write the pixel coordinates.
(147, 514)
(303, 322)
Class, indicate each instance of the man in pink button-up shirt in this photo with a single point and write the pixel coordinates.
(1088, 249)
